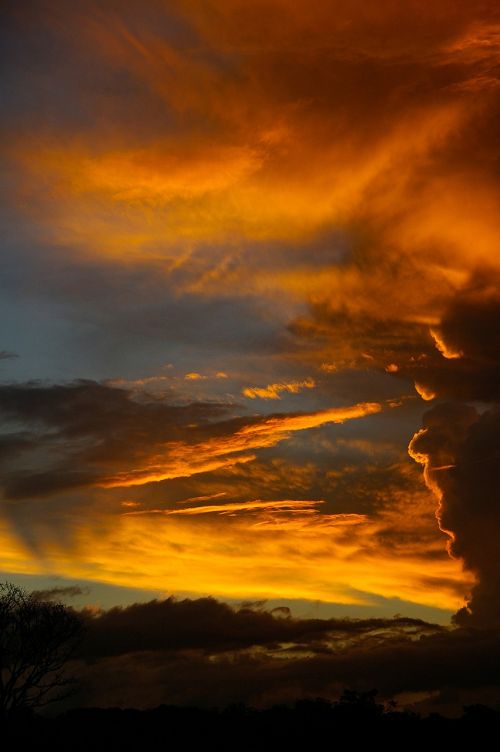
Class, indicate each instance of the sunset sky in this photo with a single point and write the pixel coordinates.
(250, 317)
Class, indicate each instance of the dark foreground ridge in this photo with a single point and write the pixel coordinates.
(356, 717)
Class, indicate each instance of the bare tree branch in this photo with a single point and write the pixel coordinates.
(37, 639)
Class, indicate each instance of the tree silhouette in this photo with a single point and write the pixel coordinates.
(37, 638)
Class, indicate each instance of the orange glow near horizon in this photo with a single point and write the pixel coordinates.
(282, 549)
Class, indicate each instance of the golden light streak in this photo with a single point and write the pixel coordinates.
(183, 460)
(204, 497)
(182, 464)
(230, 507)
(272, 391)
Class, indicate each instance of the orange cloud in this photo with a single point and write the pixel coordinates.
(278, 162)
(445, 350)
(340, 156)
(426, 393)
(186, 459)
(272, 391)
(263, 549)
(230, 507)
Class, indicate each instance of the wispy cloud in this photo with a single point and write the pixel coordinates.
(272, 391)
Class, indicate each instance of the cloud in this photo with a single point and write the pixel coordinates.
(256, 434)
(89, 428)
(458, 444)
(456, 358)
(264, 532)
(272, 391)
(203, 652)
(230, 507)
(270, 194)
(469, 368)
(459, 450)
(254, 167)
(375, 538)
(101, 436)
(210, 626)
(461, 665)
(59, 593)
(242, 143)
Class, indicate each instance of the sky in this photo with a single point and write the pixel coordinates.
(249, 339)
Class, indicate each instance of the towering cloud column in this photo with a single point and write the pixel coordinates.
(460, 450)
(459, 445)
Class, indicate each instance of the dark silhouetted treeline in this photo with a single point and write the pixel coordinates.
(356, 717)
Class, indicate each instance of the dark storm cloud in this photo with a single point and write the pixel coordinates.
(92, 427)
(459, 358)
(465, 364)
(459, 444)
(460, 450)
(354, 338)
(210, 626)
(88, 408)
(13, 444)
(203, 652)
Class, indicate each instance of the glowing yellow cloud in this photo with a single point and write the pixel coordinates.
(285, 549)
